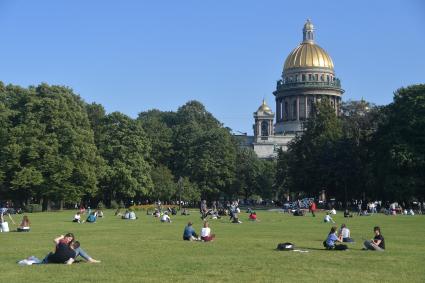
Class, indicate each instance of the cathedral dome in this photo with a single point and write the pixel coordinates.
(308, 54)
(264, 108)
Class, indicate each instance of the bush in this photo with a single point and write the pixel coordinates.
(122, 204)
(114, 204)
(100, 205)
(33, 207)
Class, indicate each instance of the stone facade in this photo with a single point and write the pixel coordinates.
(308, 76)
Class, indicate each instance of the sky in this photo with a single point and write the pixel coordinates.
(132, 56)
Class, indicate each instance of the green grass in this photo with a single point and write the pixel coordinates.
(148, 251)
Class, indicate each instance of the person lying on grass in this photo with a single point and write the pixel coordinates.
(328, 218)
(377, 243)
(189, 233)
(165, 218)
(206, 234)
(344, 233)
(332, 239)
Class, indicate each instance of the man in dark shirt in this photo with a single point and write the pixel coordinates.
(378, 242)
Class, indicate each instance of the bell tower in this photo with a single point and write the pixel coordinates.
(263, 127)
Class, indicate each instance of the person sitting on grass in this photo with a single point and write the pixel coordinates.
(157, 213)
(69, 239)
(332, 239)
(253, 216)
(377, 243)
(206, 235)
(132, 215)
(64, 252)
(185, 211)
(347, 214)
(344, 233)
(92, 217)
(189, 233)
(118, 212)
(25, 225)
(99, 213)
(328, 218)
(77, 217)
(165, 218)
(129, 215)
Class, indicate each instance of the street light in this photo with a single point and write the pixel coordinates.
(180, 184)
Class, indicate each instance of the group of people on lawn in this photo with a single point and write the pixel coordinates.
(189, 233)
(67, 249)
(4, 225)
(334, 240)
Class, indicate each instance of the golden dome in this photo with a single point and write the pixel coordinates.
(264, 107)
(308, 54)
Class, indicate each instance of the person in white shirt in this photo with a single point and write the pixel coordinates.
(77, 217)
(4, 226)
(344, 233)
(206, 235)
(165, 218)
(333, 211)
(132, 215)
(328, 218)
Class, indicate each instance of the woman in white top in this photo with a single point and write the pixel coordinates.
(328, 218)
(77, 217)
(206, 235)
(345, 234)
(165, 218)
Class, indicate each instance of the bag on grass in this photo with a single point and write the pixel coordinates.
(285, 247)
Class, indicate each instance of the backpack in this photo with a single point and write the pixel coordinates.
(285, 247)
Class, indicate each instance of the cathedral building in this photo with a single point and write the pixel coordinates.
(308, 76)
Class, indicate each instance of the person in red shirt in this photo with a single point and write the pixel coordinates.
(313, 208)
(253, 216)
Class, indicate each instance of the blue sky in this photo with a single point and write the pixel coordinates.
(132, 56)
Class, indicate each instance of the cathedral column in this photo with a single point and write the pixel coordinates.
(298, 108)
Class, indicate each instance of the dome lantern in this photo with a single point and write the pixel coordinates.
(308, 32)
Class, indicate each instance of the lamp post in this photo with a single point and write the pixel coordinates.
(180, 184)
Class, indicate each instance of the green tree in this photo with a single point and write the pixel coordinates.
(204, 150)
(312, 155)
(50, 153)
(164, 185)
(125, 149)
(158, 128)
(399, 149)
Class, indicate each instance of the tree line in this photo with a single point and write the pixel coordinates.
(55, 147)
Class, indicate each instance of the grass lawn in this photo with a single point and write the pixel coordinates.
(146, 250)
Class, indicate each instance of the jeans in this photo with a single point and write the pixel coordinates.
(82, 253)
(372, 246)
